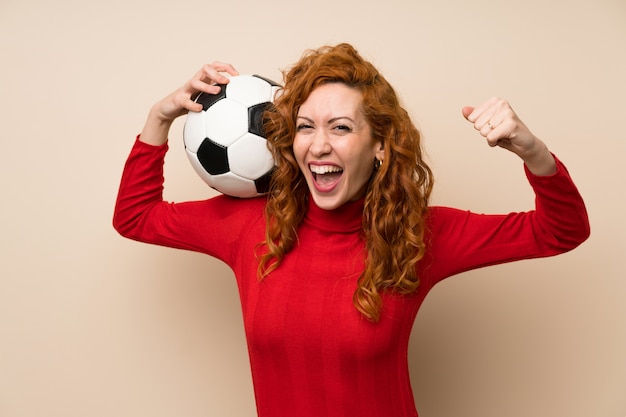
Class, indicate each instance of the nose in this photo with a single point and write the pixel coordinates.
(320, 144)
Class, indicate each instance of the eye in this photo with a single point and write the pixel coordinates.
(342, 128)
(303, 126)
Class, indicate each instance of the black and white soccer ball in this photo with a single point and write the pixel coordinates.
(225, 142)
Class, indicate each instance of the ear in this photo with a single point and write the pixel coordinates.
(380, 153)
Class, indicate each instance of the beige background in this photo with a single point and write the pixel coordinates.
(92, 324)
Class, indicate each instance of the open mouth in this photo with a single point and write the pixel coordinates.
(326, 176)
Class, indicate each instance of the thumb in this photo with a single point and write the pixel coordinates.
(467, 111)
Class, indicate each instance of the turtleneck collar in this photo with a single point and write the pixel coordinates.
(344, 219)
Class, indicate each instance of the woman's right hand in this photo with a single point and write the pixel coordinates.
(178, 103)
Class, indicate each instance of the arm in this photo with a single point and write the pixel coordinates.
(462, 240)
(140, 212)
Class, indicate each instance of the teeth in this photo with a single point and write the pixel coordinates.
(324, 169)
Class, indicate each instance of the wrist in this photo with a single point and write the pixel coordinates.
(540, 162)
(156, 129)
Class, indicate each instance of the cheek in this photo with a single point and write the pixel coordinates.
(365, 170)
(360, 170)
(366, 161)
(299, 150)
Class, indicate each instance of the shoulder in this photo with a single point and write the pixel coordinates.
(246, 208)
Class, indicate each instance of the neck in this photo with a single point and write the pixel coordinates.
(346, 218)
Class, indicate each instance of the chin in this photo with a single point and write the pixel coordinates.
(327, 202)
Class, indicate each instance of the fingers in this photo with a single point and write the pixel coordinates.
(206, 80)
(489, 113)
(494, 119)
(500, 125)
(466, 111)
(214, 73)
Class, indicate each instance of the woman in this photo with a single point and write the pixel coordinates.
(334, 264)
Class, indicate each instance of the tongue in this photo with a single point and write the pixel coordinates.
(329, 178)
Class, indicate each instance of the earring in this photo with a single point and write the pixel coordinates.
(377, 164)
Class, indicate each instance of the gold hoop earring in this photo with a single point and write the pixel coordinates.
(378, 163)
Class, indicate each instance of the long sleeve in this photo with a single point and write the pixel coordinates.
(461, 240)
(213, 226)
(141, 188)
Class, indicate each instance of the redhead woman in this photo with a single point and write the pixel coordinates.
(333, 263)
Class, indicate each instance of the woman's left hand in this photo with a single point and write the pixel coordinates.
(500, 125)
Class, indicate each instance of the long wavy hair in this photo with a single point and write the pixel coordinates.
(397, 195)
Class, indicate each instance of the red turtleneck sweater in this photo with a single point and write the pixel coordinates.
(311, 352)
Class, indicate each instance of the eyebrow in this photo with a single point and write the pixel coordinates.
(331, 120)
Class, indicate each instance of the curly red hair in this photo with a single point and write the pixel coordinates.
(397, 196)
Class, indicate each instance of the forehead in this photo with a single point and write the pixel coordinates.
(332, 98)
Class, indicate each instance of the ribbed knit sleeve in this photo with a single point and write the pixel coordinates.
(461, 240)
(214, 226)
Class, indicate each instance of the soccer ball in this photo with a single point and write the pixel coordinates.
(225, 141)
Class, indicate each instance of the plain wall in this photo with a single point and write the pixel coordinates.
(92, 324)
